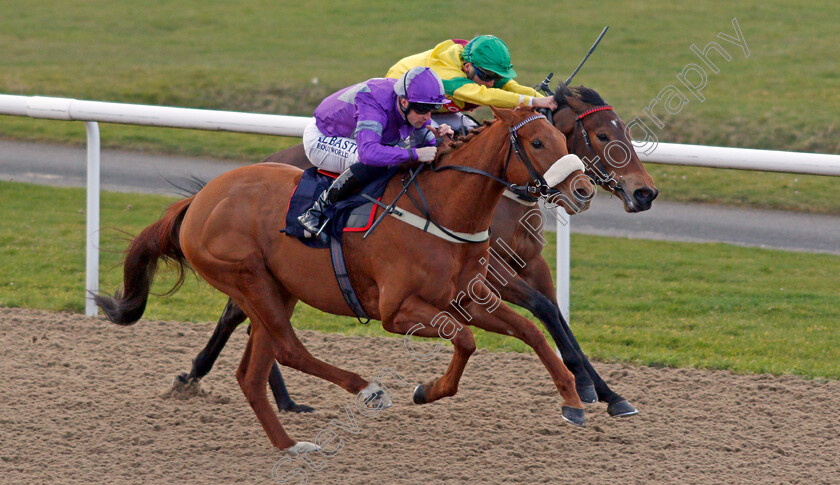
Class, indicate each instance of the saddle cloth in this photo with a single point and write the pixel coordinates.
(353, 214)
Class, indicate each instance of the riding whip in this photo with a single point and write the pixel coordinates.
(591, 49)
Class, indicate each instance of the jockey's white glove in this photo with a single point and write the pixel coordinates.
(444, 130)
(426, 154)
(547, 102)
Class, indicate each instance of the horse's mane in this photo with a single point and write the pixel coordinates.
(581, 93)
(459, 141)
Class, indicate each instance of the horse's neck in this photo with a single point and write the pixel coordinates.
(465, 202)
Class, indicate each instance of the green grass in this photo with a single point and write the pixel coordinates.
(265, 56)
(646, 302)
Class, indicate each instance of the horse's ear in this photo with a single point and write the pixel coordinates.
(506, 115)
(576, 104)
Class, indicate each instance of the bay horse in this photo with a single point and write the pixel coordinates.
(228, 233)
(581, 112)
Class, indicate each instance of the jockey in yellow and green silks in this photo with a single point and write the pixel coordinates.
(474, 73)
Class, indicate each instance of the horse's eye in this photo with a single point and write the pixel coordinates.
(603, 137)
(536, 144)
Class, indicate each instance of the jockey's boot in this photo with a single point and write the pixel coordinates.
(313, 220)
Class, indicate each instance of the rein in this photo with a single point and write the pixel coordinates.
(523, 191)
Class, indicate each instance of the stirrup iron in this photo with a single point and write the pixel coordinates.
(323, 226)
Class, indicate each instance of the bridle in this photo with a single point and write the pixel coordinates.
(610, 182)
(539, 187)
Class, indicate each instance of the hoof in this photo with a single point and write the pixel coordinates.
(587, 394)
(298, 408)
(182, 379)
(301, 447)
(185, 387)
(419, 395)
(185, 383)
(621, 408)
(373, 397)
(573, 415)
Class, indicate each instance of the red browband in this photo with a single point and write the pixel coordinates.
(593, 110)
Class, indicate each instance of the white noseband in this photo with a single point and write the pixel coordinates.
(562, 168)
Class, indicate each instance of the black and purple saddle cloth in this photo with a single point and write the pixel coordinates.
(353, 214)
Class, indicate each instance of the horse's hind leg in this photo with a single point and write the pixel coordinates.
(281, 393)
(231, 317)
(270, 307)
(504, 320)
(437, 324)
(274, 314)
(252, 375)
(278, 386)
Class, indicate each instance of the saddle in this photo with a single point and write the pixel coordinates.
(353, 214)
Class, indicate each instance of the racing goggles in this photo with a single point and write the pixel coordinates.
(486, 76)
(423, 108)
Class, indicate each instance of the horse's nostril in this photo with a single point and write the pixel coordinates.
(645, 195)
(583, 194)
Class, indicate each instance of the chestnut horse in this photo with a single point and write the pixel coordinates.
(229, 234)
(581, 112)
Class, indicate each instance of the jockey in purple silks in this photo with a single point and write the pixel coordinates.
(363, 129)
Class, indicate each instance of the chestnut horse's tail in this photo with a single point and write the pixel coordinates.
(160, 240)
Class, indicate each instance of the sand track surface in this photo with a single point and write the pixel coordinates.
(85, 401)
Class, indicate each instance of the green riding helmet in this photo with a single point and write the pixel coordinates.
(489, 53)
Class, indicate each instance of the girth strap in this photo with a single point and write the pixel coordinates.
(344, 284)
(432, 228)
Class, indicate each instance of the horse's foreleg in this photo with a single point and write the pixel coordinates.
(537, 277)
(417, 318)
(518, 292)
(503, 320)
